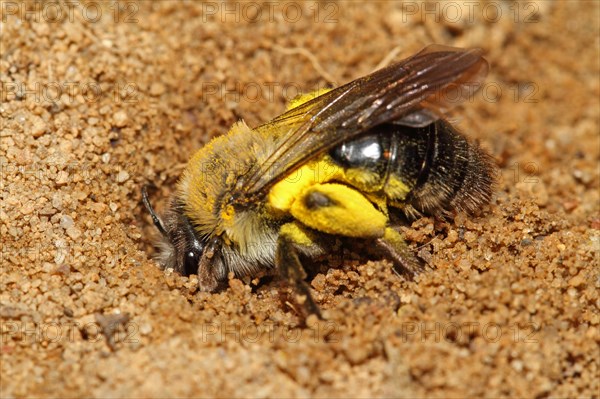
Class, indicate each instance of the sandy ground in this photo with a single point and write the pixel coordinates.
(99, 99)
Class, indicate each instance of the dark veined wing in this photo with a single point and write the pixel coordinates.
(414, 92)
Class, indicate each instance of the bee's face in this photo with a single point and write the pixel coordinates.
(181, 247)
(187, 247)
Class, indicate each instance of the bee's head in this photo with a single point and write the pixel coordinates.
(181, 248)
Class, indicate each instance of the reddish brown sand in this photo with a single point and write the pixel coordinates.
(98, 101)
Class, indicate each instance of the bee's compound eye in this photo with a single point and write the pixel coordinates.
(191, 261)
(189, 247)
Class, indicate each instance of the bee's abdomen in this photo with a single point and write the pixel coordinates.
(369, 153)
(438, 169)
(455, 175)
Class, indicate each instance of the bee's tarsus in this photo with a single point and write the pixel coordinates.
(405, 263)
(206, 275)
(293, 273)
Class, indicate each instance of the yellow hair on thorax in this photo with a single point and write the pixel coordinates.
(212, 172)
(306, 97)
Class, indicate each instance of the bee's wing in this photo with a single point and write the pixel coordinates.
(413, 92)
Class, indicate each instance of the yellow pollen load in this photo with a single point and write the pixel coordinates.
(284, 193)
(396, 188)
(298, 234)
(339, 210)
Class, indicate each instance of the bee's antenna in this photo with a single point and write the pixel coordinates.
(157, 222)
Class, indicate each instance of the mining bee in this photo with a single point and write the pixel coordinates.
(337, 163)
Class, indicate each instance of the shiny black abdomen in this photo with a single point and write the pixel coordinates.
(443, 171)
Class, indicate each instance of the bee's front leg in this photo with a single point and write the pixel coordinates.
(207, 279)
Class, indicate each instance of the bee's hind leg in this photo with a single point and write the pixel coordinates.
(290, 268)
(337, 209)
(394, 246)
